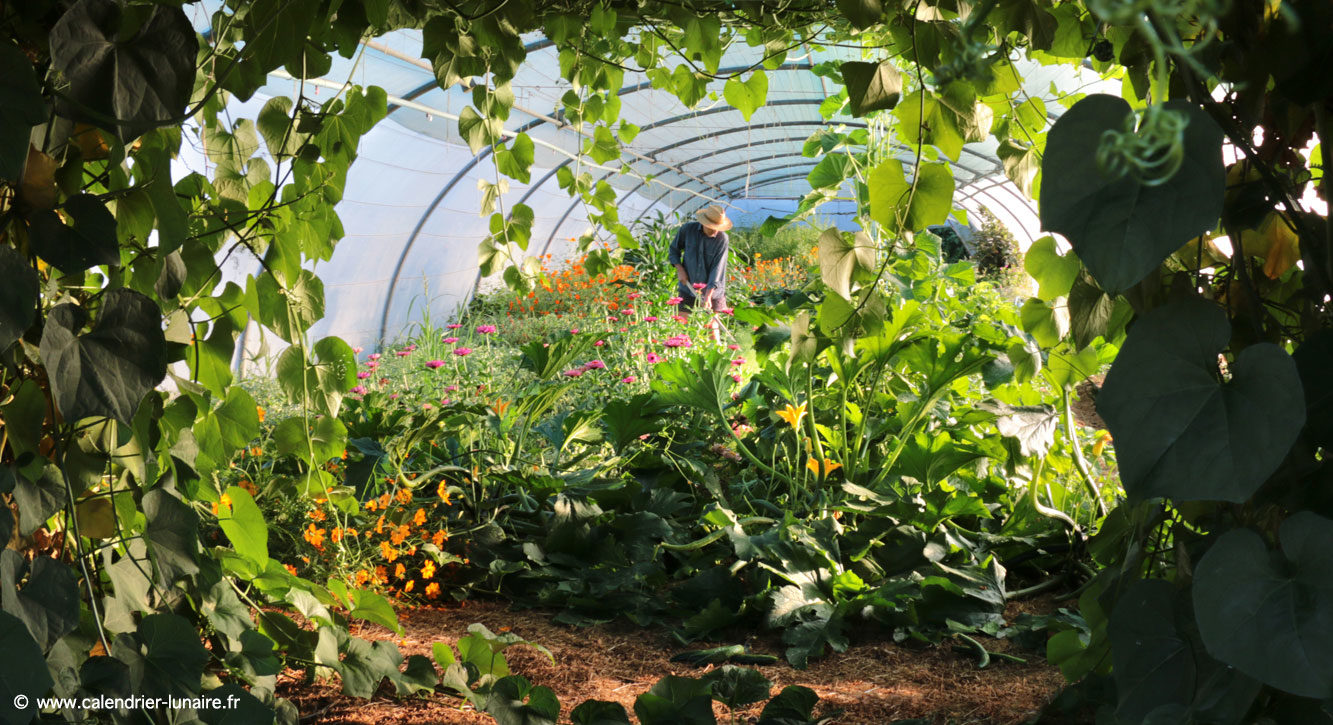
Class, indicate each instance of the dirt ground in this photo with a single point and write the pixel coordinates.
(875, 682)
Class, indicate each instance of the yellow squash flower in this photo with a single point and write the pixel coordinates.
(829, 466)
(792, 414)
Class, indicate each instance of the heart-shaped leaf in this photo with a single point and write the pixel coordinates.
(841, 259)
(121, 78)
(48, 602)
(108, 371)
(1182, 432)
(21, 108)
(862, 13)
(599, 712)
(18, 676)
(18, 296)
(737, 686)
(749, 95)
(1271, 617)
(1054, 272)
(871, 86)
(88, 241)
(1120, 228)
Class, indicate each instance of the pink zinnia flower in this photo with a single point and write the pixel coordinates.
(654, 358)
(628, 379)
(461, 351)
(675, 300)
(678, 318)
(449, 340)
(359, 390)
(363, 375)
(650, 318)
(736, 378)
(594, 365)
(599, 343)
(427, 406)
(434, 364)
(677, 341)
(403, 353)
(729, 311)
(485, 329)
(450, 388)
(738, 361)
(635, 295)
(356, 350)
(374, 356)
(573, 330)
(393, 396)
(573, 373)
(372, 364)
(733, 346)
(698, 285)
(444, 401)
(454, 326)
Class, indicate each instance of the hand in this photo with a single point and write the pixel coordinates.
(707, 296)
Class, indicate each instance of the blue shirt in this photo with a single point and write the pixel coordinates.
(704, 258)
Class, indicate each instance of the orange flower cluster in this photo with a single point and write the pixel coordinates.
(771, 274)
(572, 291)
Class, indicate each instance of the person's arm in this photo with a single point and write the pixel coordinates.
(717, 276)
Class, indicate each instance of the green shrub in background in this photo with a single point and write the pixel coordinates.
(794, 240)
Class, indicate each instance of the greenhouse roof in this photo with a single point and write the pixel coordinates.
(410, 209)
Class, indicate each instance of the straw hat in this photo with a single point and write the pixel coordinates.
(713, 217)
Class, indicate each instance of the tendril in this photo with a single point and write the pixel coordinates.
(1150, 154)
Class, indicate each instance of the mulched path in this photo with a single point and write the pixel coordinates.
(875, 682)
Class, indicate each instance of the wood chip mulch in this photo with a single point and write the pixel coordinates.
(875, 682)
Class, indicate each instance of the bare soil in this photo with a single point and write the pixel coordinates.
(875, 682)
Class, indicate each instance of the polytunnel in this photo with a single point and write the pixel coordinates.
(410, 207)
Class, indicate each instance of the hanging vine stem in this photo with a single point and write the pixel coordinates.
(1076, 447)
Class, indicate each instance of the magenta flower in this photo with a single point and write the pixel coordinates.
(434, 364)
(573, 330)
(728, 311)
(444, 401)
(427, 406)
(677, 341)
(393, 396)
(372, 364)
(678, 318)
(454, 326)
(359, 390)
(356, 350)
(594, 365)
(650, 318)
(450, 340)
(736, 378)
(461, 351)
(374, 356)
(403, 353)
(675, 300)
(450, 388)
(363, 375)
(599, 343)
(485, 329)
(628, 379)
(572, 373)
(733, 346)
(738, 361)
(698, 285)
(653, 358)
(634, 295)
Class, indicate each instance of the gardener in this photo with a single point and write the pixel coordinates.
(699, 253)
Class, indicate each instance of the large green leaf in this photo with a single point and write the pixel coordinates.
(840, 259)
(676, 701)
(898, 206)
(737, 686)
(323, 381)
(21, 108)
(18, 296)
(749, 95)
(514, 701)
(165, 656)
(862, 13)
(1181, 432)
(127, 72)
(1158, 660)
(871, 86)
(831, 171)
(1121, 228)
(172, 533)
(795, 705)
(1271, 616)
(1054, 272)
(108, 371)
(365, 665)
(599, 712)
(44, 594)
(18, 675)
(244, 526)
(89, 239)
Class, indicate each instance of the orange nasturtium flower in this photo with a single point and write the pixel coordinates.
(428, 570)
(388, 552)
(399, 571)
(433, 590)
(792, 414)
(829, 466)
(409, 585)
(440, 537)
(317, 515)
(315, 536)
(443, 491)
(404, 496)
(260, 410)
(224, 502)
(400, 534)
(420, 517)
(362, 577)
(290, 569)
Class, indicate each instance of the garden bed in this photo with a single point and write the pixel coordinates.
(875, 682)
